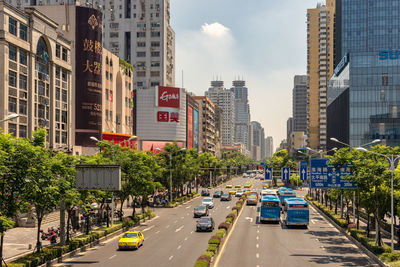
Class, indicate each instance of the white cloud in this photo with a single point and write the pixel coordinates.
(215, 29)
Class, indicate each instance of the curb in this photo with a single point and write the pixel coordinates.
(371, 255)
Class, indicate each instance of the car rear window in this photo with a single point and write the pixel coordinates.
(130, 235)
(205, 220)
(200, 208)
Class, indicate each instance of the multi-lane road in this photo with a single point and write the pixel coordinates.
(171, 240)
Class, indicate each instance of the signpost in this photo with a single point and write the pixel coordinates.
(268, 173)
(303, 171)
(285, 174)
(324, 176)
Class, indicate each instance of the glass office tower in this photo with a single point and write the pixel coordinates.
(371, 39)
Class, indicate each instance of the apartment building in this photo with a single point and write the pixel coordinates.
(35, 76)
(300, 103)
(320, 65)
(269, 146)
(207, 120)
(242, 113)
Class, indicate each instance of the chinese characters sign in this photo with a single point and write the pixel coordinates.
(190, 127)
(166, 116)
(327, 176)
(168, 97)
(88, 75)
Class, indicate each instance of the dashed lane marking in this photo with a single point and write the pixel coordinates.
(170, 258)
(167, 226)
(176, 221)
(257, 246)
(192, 232)
(178, 229)
(179, 247)
(112, 257)
(257, 237)
(186, 238)
(228, 207)
(182, 218)
(148, 228)
(188, 207)
(258, 231)
(157, 232)
(257, 255)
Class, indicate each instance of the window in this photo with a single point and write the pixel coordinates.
(155, 54)
(106, 75)
(141, 34)
(114, 35)
(106, 60)
(23, 58)
(64, 137)
(22, 131)
(64, 117)
(155, 44)
(58, 72)
(155, 63)
(111, 62)
(107, 95)
(141, 74)
(111, 116)
(41, 111)
(41, 89)
(134, 15)
(141, 25)
(12, 26)
(385, 79)
(154, 73)
(155, 84)
(12, 129)
(106, 114)
(12, 104)
(64, 96)
(12, 78)
(155, 24)
(58, 115)
(111, 76)
(23, 32)
(141, 44)
(64, 54)
(12, 52)
(64, 75)
(22, 107)
(141, 54)
(155, 34)
(23, 84)
(58, 49)
(57, 136)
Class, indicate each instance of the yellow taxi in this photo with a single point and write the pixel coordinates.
(233, 191)
(247, 185)
(238, 186)
(248, 191)
(131, 239)
(228, 186)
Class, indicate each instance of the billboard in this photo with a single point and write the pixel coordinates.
(88, 85)
(102, 177)
(195, 129)
(190, 127)
(168, 97)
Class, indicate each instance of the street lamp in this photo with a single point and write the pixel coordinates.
(392, 160)
(10, 117)
(343, 143)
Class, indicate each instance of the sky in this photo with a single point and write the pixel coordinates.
(260, 41)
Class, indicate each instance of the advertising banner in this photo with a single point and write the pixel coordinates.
(190, 127)
(325, 176)
(88, 76)
(195, 129)
(168, 97)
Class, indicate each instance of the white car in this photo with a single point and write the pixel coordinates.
(208, 202)
(239, 193)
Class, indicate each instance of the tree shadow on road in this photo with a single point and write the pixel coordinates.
(343, 260)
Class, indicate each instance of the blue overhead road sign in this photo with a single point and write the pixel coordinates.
(327, 176)
(268, 173)
(285, 174)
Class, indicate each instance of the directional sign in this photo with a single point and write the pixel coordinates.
(324, 175)
(303, 171)
(268, 173)
(285, 174)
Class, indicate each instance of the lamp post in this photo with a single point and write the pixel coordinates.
(10, 117)
(392, 161)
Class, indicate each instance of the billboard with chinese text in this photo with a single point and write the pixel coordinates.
(88, 76)
(168, 97)
(190, 127)
(195, 129)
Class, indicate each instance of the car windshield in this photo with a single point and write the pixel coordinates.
(225, 195)
(200, 208)
(130, 235)
(204, 220)
(252, 197)
(207, 200)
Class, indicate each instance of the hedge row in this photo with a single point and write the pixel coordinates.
(182, 199)
(213, 244)
(131, 222)
(383, 252)
(52, 252)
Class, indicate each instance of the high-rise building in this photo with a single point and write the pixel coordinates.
(224, 99)
(257, 140)
(242, 112)
(367, 80)
(300, 99)
(320, 65)
(289, 127)
(269, 146)
(137, 31)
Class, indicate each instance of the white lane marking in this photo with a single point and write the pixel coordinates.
(188, 207)
(313, 221)
(187, 214)
(249, 219)
(258, 265)
(258, 231)
(257, 255)
(170, 258)
(112, 257)
(167, 226)
(180, 228)
(258, 226)
(257, 246)
(228, 207)
(179, 247)
(182, 218)
(157, 232)
(186, 238)
(176, 221)
(257, 237)
(149, 228)
(191, 232)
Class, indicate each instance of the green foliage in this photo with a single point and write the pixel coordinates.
(282, 159)
(390, 257)
(201, 263)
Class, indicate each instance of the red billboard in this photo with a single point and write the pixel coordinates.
(168, 97)
(190, 127)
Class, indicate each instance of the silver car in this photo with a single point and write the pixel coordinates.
(208, 202)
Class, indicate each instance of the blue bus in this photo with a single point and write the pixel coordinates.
(270, 209)
(295, 212)
(285, 193)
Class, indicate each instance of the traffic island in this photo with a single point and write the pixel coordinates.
(217, 241)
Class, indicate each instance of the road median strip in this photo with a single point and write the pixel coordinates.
(217, 242)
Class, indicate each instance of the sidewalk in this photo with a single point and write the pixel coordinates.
(18, 240)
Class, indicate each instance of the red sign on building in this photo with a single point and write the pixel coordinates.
(168, 97)
(163, 116)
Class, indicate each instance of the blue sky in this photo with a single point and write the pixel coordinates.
(263, 41)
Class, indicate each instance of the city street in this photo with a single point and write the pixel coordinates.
(171, 240)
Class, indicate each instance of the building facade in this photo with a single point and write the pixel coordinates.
(269, 147)
(137, 31)
(225, 100)
(192, 122)
(35, 74)
(242, 113)
(300, 106)
(207, 125)
(370, 62)
(320, 65)
(257, 140)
